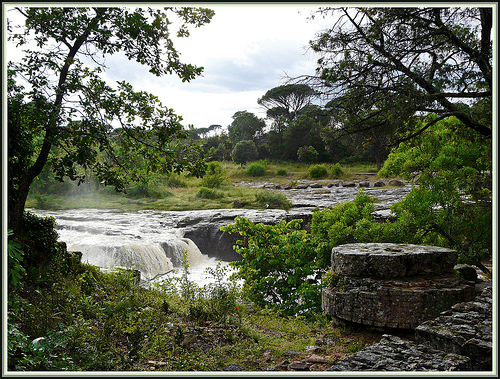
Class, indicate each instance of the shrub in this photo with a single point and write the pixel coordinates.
(317, 171)
(336, 170)
(208, 193)
(214, 177)
(256, 169)
(173, 181)
(278, 266)
(281, 172)
(452, 205)
(273, 200)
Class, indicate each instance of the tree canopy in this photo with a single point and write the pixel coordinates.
(398, 62)
(245, 126)
(57, 91)
(287, 100)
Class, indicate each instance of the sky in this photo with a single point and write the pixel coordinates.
(245, 50)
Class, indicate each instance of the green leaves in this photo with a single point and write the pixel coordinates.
(82, 122)
(277, 262)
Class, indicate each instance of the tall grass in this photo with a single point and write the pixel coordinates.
(180, 192)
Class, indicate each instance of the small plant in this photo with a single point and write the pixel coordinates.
(256, 169)
(330, 279)
(16, 270)
(214, 177)
(354, 347)
(281, 172)
(336, 170)
(273, 200)
(208, 193)
(317, 171)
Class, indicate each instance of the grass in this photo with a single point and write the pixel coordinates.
(168, 195)
(97, 321)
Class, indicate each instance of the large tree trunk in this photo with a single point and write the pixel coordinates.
(16, 213)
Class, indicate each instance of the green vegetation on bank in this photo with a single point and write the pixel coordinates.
(68, 316)
(218, 189)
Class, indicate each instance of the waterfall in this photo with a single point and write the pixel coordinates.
(144, 241)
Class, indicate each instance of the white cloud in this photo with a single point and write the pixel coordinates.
(245, 51)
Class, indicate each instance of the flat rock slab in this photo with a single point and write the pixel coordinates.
(390, 260)
(465, 329)
(395, 354)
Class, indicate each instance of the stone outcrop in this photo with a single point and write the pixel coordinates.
(393, 285)
(396, 354)
(465, 329)
(459, 339)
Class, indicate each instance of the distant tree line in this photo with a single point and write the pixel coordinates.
(297, 129)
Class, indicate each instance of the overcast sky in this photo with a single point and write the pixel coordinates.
(245, 51)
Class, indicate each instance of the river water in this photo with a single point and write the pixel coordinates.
(146, 241)
(154, 243)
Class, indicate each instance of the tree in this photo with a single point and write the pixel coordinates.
(303, 131)
(245, 127)
(397, 62)
(244, 151)
(452, 205)
(287, 100)
(68, 105)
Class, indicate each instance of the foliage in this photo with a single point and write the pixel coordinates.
(245, 127)
(349, 222)
(45, 258)
(256, 169)
(214, 176)
(173, 181)
(451, 206)
(386, 64)
(273, 200)
(279, 265)
(305, 130)
(281, 172)
(317, 171)
(336, 170)
(151, 187)
(76, 120)
(208, 193)
(307, 154)
(15, 253)
(287, 100)
(244, 151)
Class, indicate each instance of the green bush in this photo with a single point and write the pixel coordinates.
(173, 181)
(214, 175)
(256, 169)
(273, 200)
(281, 172)
(452, 205)
(45, 259)
(208, 193)
(336, 171)
(317, 171)
(278, 266)
(154, 187)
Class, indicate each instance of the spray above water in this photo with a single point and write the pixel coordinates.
(146, 241)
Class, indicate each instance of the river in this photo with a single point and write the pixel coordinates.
(146, 241)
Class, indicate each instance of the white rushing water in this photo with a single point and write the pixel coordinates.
(145, 241)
